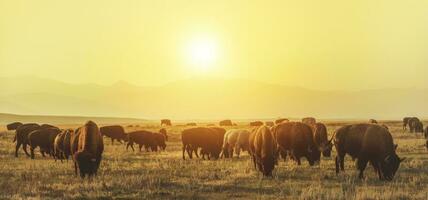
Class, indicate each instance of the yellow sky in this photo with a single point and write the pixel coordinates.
(332, 44)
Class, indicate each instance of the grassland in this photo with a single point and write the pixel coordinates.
(128, 175)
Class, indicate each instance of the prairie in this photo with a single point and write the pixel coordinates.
(164, 175)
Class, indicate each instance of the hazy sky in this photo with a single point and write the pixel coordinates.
(331, 44)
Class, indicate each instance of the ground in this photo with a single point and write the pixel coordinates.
(146, 175)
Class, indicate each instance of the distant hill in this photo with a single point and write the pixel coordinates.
(208, 98)
(8, 118)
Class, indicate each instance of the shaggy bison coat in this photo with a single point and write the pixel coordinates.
(21, 136)
(114, 132)
(13, 126)
(321, 139)
(208, 139)
(87, 149)
(309, 121)
(278, 121)
(297, 140)
(256, 123)
(235, 141)
(43, 138)
(262, 149)
(62, 145)
(226, 123)
(367, 143)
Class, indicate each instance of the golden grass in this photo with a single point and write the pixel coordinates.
(164, 175)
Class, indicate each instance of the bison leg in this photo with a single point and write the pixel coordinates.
(18, 144)
(24, 147)
(184, 149)
(337, 161)
(361, 164)
(75, 168)
(195, 149)
(32, 152)
(376, 166)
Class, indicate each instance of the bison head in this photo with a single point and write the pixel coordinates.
(326, 149)
(390, 166)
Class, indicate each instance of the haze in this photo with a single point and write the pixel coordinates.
(319, 45)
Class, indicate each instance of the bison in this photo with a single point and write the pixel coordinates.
(208, 139)
(309, 121)
(142, 138)
(278, 121)
(372, 121)
(269, 123)
(164, 133)
(115, 132)
(321, 139)
(191, 124)
(367, 143)
(296, 139)
(21, 136)
(256, 123)
(43, 138)
(226, 123)
(262, 149)
(13, 126)
(415, 125)
(406, 122)
(88, 149)
(234, 141)
(62, 145)
(166, 122)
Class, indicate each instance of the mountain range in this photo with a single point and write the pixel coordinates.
(205, 98)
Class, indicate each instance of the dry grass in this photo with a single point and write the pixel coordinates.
(165, 175)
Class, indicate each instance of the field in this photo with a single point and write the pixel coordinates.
(128, 175)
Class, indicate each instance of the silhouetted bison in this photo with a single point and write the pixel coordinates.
(278, 121)
(321, 139)
(367, 143)
(419, 127)
(62, 145)
(415, 125)
(21, 136)
(142, 138)
(13, 126)
(372, 121)
(164, 133)
(297, 140)
(309, 121)
(166, 122)
(406, 122)
(115, 132)
(262, 149)
(269, 123)
(208, 139)
(90, 147)
(43, 138)
(226, 123)
(191, 124)
(235, 141)
(256, 123)
(220, 138)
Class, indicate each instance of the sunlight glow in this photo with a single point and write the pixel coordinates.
(202, 53)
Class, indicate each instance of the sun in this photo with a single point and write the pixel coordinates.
(202, 53)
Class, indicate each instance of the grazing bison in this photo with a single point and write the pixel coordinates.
(43, 138)
(321, 139)
(414, 125)
(208, 139)
(406, 122)
(62, 145)
(13, 126)
(87, 151)
(191, 124)
(142, 138)
(309, 121)
(278, 121)
(262, 149)
(160, 140)
(234, 141)
(372, 121)
(21, 136)
(367, 143)
(166, 122)
(297, 140)
(256, 123)
(220, 137)
(115, 132)
(226, 123)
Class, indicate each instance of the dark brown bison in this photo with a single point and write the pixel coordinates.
(164, 133)
(367, 143)
(419, 127)
(269, 123)
(415, 125)
(226, 122)
(191, 124)
(262, 150)
(256, 123)
(115, 132)
(90, 147)
(62, 145)
(372, 121)
(321, 139)
(44, 139)
(278, 121)
(13, 126)
(142, 138)
(297, 140)
(166, 122)
(220, 138)
(208, 139)
(21, 136)
(406, 122)
(48, 126)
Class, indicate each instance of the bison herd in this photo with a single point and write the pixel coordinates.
(266, 143)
